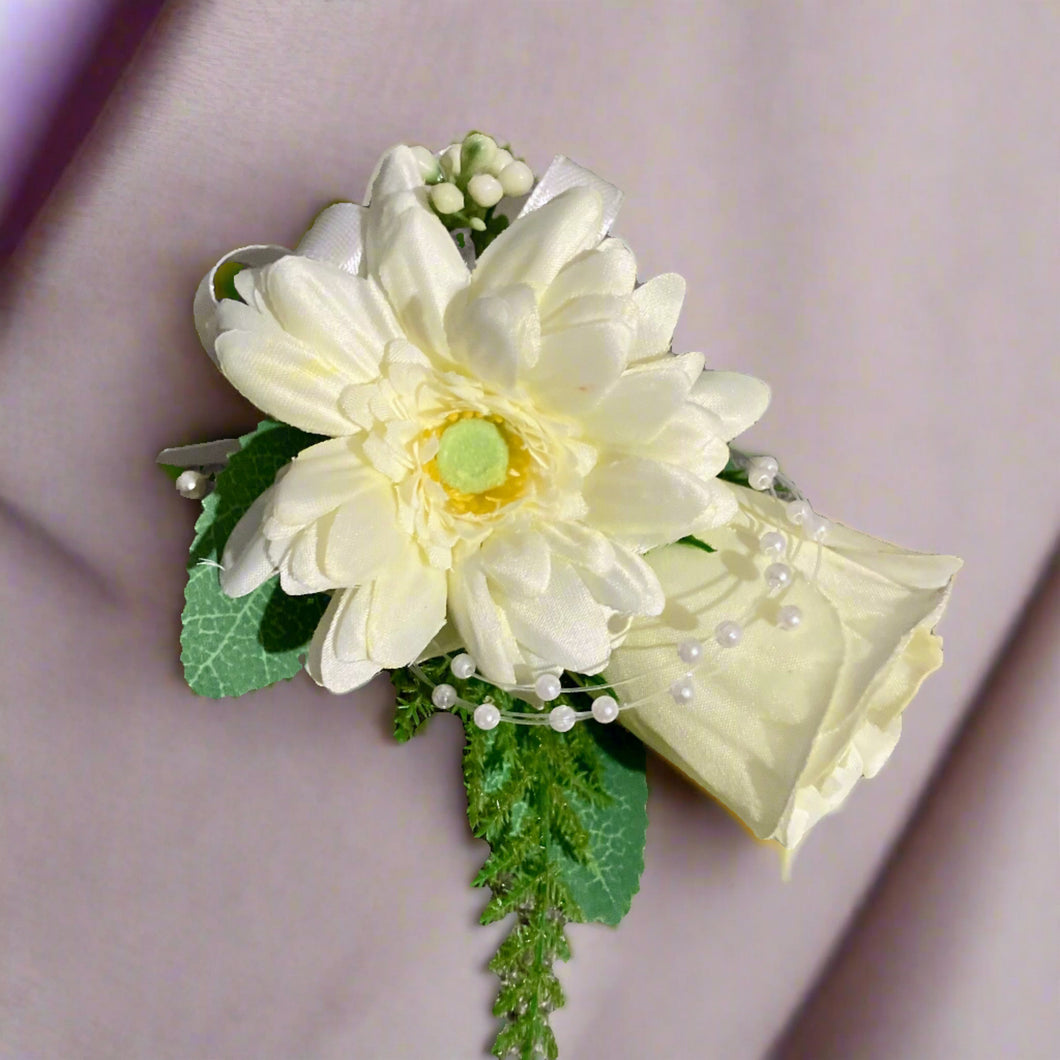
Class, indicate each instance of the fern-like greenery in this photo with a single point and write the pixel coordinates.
(531, 792)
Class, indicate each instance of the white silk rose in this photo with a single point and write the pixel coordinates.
(782, 726)
(504, 442)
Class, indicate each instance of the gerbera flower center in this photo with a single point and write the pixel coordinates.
(481, 463)
(472, 456)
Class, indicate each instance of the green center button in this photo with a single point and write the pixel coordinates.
(472, 456)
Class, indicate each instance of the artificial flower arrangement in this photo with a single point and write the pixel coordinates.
(486, 472)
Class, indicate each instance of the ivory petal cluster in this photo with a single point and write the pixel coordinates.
(383, 341)
(783, 726)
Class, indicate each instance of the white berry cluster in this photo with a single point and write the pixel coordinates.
(471, 177)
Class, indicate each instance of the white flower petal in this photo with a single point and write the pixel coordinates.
(207, 305)
(278, 374)
(590, 309)
(407, 609)
(362, 536)
(564, 624)
(344, 319)
(737, 400)
(578, 365)
(517, 562)
(609, 269)
(629, 586)
(410, 252)
(317, 481)
(658, 304)
(395, 172)
(335, 236)
(300, 572)
(496, 335)
(690, 439)
(344, 620)
(446, 641)
(481, 622)
(582, 546)
(307, 331)
(643, 503)
(245, 560)
(721, 507)
(539, 244)
(642, 401)
(615, 576)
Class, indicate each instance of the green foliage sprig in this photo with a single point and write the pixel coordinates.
(564, 815)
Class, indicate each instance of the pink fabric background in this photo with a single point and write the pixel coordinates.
(863, 202)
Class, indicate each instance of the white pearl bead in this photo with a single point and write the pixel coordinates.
(777, 575)
(192, 484)
(690, 651)
(443, 696)
(758, 479)
(516, 179)
(605, 709)
(728, 633)
(547, 686)
(818, 527)
(487, 716)
(447, 198)
(772, 543)
(789, 617)
(485, 190)
(798, 511)
(683, 690)
(463, 666)
(766, 463)
(562, 718)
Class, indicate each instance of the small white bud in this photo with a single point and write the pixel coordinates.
(501, 159)
(450, 161)
(485, 190)
(477, 224)
(447, 198)
(429, 168)
(516, 179)
(477, 152)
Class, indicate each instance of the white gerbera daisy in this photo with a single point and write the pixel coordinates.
(504, 443)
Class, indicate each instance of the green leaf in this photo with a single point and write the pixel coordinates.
(564, 815)
(605, 881)
(230, 647)
(224, 281)
(694, 542)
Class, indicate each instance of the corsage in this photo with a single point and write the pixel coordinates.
(485, 471)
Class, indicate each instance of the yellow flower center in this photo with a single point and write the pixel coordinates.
(481, 463)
